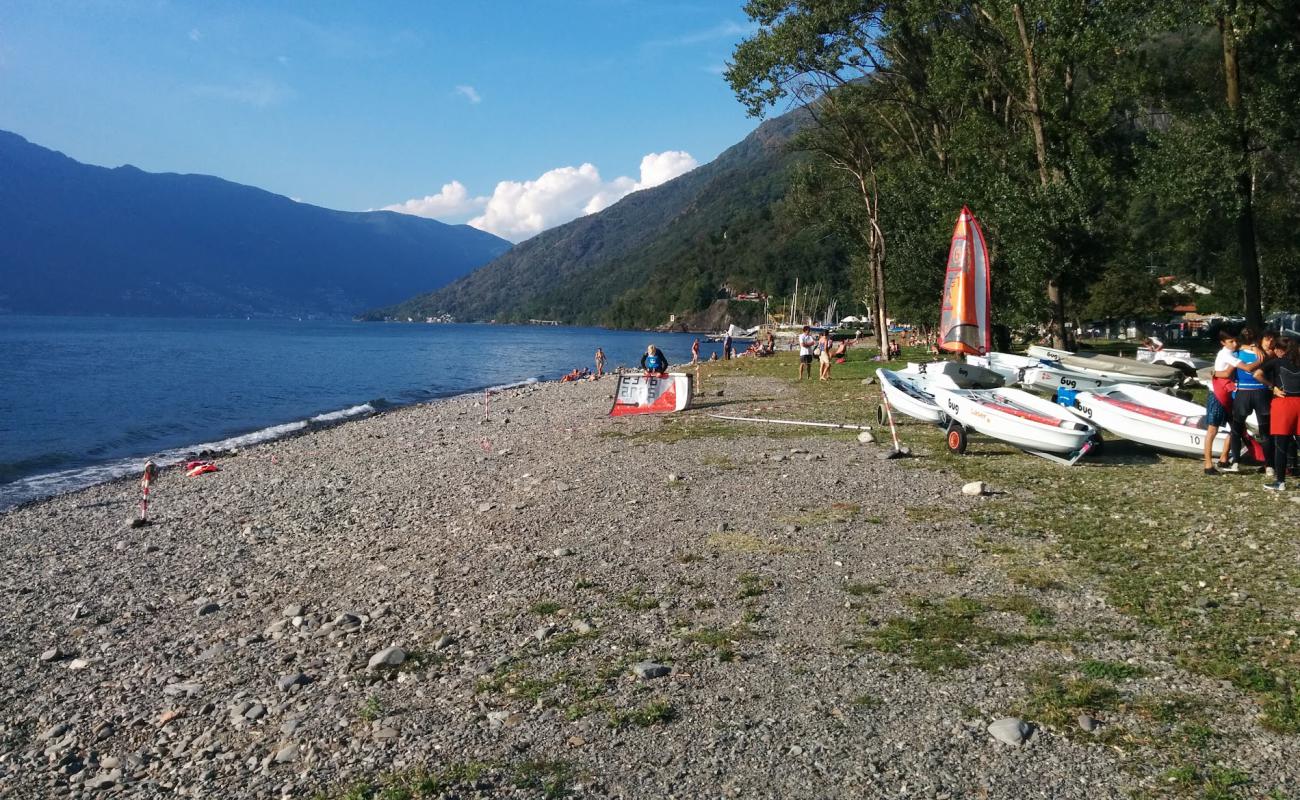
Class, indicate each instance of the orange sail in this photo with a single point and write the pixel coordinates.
(964, 314)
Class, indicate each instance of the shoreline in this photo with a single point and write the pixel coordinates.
(537, 565)
(78, 478)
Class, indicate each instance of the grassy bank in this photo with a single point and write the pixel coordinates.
(1209, 567)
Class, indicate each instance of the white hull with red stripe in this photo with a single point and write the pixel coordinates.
(1148, 417)
(1016, 417)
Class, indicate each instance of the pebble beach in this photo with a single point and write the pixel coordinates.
(524, 597)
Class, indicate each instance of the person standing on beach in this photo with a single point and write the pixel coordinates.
(1218, 401)
(726, 346)
(600, 362)
(1281, 374)
(806, 343)
(1251, 397)
(695, 351)
(824, 356)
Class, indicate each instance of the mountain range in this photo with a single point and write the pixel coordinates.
(677, 250)
(82, 239)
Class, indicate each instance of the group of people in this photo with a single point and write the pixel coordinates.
(1260, 375)
(824, 348)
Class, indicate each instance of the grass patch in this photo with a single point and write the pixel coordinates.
(656, 712)
(835, 513)
(739, 542)
(867, 701)
(953, 568)
(751, 585)
(421, 782)
(719, 461)
(1058, 700)
(1032, 578)
(862, 589)
(1033, 613)
(564, 642)
(638, 600)
(929, 513)
(1111, 670)
(545, 608)
(721, 640)
(551, 778)
(942, 636)
(371, 710)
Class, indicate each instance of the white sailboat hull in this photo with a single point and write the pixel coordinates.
(1148, 417)
(956, 375)
(908, 394)
(1034, 373)
(1017, 418)
(1111, 368)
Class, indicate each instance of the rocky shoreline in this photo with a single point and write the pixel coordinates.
(529, 599)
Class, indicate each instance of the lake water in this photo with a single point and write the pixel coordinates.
(83, 400)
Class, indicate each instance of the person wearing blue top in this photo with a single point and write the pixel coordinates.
(1251, 396)
(654, 360)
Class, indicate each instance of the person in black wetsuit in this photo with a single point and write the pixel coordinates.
(1281, 374)
(654, 360)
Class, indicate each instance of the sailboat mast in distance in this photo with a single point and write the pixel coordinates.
(964, 313)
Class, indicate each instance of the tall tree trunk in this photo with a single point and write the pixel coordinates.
(1245, 222)
(1055, 295)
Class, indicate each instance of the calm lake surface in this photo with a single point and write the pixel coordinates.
(83, 400)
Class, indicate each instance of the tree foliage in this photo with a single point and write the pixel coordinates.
(1093, 140)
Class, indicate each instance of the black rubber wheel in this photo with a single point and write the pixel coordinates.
(880, 415)
(1098, 444)
(956, 438)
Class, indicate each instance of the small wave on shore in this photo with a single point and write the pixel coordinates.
(37, 487)
(49, 484)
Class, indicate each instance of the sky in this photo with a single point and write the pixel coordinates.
(514, 117)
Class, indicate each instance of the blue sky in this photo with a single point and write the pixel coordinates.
(364, 105)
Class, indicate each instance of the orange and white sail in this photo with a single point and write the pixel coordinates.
(964, 325)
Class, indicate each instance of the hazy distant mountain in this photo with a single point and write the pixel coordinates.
(80, 239)
(660, 251)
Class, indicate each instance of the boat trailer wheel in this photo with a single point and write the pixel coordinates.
(956, 438)
(1097, 444)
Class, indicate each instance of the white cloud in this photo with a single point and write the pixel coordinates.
(469, 93)
(517, 210)
(452, 200)
(657, 168)
(195, 34)
(259, 93)
(723, 30)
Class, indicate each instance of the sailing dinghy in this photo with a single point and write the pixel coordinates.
(1017, 418)
(956, 375)
(1035, 373)
(1113, 368)
(907, 393)
(1146, 416)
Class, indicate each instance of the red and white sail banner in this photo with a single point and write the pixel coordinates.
(651, 393)
(964, 316)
